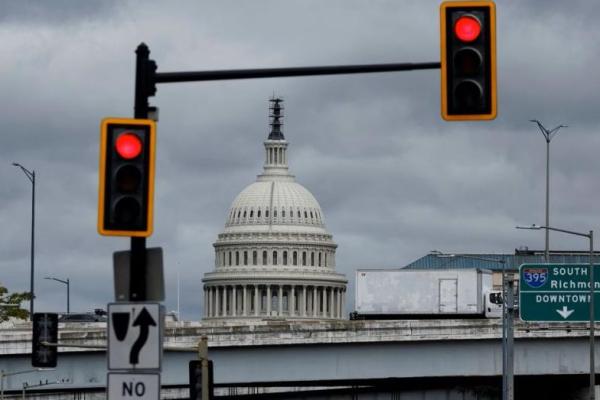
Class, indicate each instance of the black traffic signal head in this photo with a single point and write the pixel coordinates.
(145, 72)
(126, 190)
(195, 370)
(150, 78)
(468, 60)
(45, 329)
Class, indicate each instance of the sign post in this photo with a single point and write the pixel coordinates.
(591, 300)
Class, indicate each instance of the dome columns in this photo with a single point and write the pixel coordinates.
(276, 156)
(311, 253)
(274, 300)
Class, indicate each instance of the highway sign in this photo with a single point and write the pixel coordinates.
(133, 386)
(557, 292)
(134, 336)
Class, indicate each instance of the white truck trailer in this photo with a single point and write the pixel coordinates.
(431, 293)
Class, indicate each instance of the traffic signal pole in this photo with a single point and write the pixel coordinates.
(137, 277)
(141, 94)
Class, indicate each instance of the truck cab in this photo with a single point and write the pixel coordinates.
(493, 304)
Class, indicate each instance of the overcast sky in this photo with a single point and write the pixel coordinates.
(393, 179)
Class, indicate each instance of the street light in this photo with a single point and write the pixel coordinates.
(31, 176)
(548, 135)
(507, 321)
(590, 236)
(66, 282)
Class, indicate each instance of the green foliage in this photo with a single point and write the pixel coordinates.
(10, 304)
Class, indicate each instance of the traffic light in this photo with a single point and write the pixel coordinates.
(195, 368)
(45, 329)
(468, 60)
(126, 191)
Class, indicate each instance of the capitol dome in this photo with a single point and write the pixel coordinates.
(289, 203)
(275, 257)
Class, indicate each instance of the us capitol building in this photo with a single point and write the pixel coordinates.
(275, 258)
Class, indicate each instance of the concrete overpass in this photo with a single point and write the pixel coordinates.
(449, 357)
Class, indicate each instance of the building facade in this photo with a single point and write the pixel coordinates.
(275, 258)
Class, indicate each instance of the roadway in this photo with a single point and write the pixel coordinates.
(338, 353)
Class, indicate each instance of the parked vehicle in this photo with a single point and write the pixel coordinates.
(98, 315)
(432, 293)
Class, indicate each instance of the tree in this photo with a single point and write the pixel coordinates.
(10, 304)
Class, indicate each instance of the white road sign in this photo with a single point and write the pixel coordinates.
(133, 386)
(134, 336)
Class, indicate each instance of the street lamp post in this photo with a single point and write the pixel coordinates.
(31, 176)
(590, 236)
(548, 135)
(66, 282)
(507, 322)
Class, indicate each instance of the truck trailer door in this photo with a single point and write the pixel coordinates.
(448, 295)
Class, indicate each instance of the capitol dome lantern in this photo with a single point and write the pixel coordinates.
(275, 258)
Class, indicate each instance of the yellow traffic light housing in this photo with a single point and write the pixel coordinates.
(126, 172)
(468, 60)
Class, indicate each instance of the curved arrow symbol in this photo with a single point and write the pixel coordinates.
(565, 312)
(143, 320)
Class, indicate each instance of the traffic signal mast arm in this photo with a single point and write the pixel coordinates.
(192, 76)
(468, 65)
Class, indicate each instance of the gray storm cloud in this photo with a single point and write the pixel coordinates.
(394, 181)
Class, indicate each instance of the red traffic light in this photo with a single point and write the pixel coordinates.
(128, 145)
(126, 172)
(467, 28)
(468, 60)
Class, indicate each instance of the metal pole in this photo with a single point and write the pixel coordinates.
(178, 314)
(196, 76)
(31, 176)
(137, 274)
(32, 244)
(203, 356)
(68, 297)
(66, 282)
(510, 394)
(2, 385)
(590, 236)
(504, 353)
(548, 135)
(592, 322)
(547, 249)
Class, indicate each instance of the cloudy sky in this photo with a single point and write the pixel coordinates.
(393, 179)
